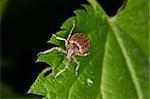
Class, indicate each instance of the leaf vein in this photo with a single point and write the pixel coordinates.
(128, 62)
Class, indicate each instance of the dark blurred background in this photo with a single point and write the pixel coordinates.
(26, 26)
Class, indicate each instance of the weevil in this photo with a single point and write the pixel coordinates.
(77, 44)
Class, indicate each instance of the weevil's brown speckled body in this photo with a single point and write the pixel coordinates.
(81, 41)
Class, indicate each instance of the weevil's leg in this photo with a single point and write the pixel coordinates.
(84, 55)
(77, 67)
(66, 67)
(54, 48)
(60, 38)
(73, 26)
(60, 72)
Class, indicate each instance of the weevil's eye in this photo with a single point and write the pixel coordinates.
(75, 46)
(47, 73)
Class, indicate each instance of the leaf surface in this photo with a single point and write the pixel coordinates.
(117, 66)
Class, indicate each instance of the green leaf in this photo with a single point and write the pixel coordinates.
(117, 66)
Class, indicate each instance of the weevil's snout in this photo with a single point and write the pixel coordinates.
(72, 50)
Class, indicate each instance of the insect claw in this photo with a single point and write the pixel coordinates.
(40, 53)
(54, 79)
(76, 74)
